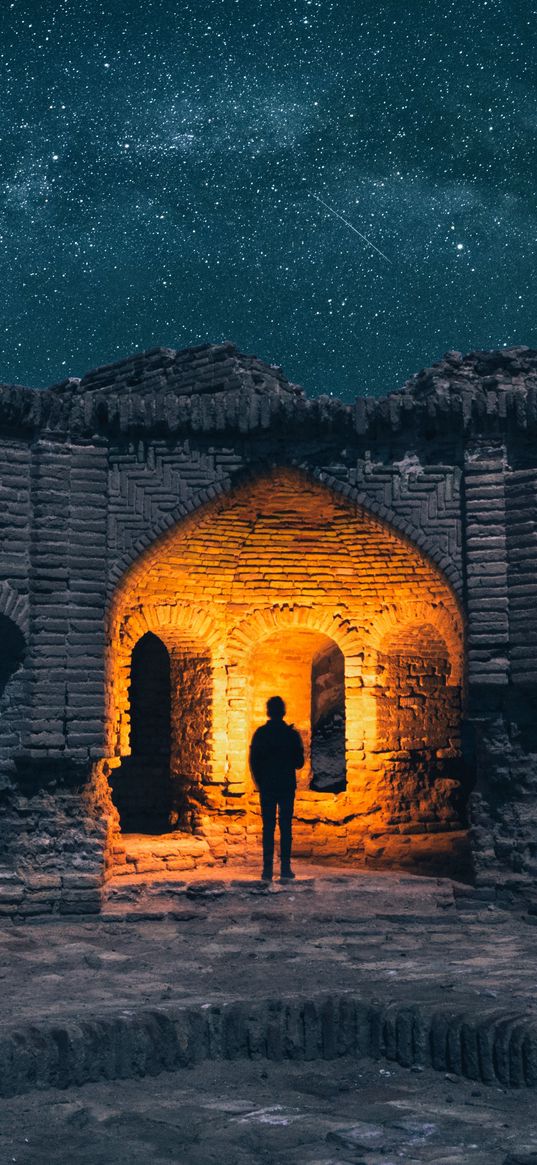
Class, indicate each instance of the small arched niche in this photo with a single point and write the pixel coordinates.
(158, 787)
(306, 668)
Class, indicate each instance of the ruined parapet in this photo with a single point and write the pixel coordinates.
(215, 388)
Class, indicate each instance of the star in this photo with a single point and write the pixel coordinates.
(157, 174)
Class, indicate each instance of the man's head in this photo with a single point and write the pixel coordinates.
(275, 708)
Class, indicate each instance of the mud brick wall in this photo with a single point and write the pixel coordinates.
(521, 538)
(15, 525)
(67, 577)
(415, 701)
(54, 591)
(97, 473)
(191, 730)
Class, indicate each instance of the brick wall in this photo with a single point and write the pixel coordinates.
(191, 736)
(97, 474)
(416, 706)
(15, 519)
(265, 577)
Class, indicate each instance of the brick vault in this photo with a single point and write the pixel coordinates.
(186, 534)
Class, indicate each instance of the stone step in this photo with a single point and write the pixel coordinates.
(487, 1044)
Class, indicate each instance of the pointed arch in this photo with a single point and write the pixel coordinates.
(287, 556)
(221, 492)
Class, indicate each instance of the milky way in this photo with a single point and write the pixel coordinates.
(160, 162)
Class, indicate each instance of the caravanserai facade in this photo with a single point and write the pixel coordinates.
(186, 534)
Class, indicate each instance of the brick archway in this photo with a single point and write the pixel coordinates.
(205, 498)
(283, 555)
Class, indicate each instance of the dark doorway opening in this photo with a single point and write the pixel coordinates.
(141, 786)
(12, 650)
(328, 765)
(12, 690)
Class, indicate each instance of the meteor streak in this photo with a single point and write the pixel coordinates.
(349, 224)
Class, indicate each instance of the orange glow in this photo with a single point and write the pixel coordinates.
(258, 594)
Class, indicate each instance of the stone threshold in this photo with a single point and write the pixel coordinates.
(154, 894)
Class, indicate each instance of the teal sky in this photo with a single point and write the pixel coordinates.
(159, 164)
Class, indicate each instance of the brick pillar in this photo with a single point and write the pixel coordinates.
(486, 565)
(87, 569)
(191, 681)
(522, 549)
(501, 559)
(67, 587)
(49, 598)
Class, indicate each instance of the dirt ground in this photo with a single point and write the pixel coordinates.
(385, 936)
(286, 1114)
(381, 934)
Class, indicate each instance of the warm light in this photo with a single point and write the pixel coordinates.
(284, 588)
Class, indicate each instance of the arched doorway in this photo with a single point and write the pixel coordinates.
(141, 786)
(158, 787)
(307, 669)
(283, 587)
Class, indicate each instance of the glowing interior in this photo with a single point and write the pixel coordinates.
(282, 587)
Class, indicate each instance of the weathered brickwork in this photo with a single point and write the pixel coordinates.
(200, 496)
(15, 522)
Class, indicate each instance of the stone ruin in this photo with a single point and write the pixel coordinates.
(186, 534)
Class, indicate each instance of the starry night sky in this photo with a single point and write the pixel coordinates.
(159, 162)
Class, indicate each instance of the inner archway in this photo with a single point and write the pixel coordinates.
(307, 669)
(159, 785)
(328, 714)
(141, 785)
(283, 587)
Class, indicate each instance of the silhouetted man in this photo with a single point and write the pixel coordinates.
(276, 752)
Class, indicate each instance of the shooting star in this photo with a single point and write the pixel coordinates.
(349, 224)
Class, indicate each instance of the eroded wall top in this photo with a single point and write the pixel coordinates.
(215, 388)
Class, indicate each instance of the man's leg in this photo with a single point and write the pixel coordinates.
(268, 814)
(285, 817)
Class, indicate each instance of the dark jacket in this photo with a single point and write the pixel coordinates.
(276, 752)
